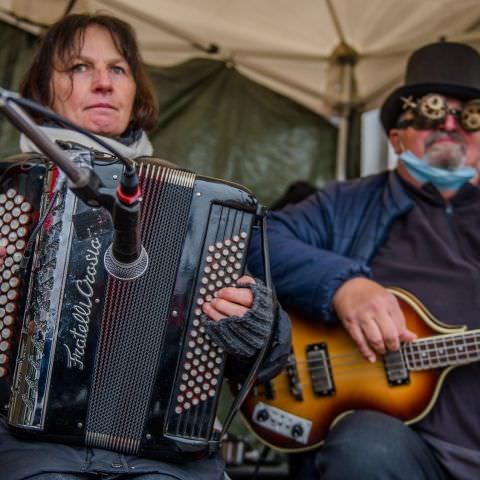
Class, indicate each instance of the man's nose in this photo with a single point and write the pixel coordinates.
(101, 79)
(450, 123)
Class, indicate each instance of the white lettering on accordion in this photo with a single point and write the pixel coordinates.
(82, 310)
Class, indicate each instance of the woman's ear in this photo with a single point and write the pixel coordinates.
(394, 136)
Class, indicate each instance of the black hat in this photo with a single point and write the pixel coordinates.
(452, 69)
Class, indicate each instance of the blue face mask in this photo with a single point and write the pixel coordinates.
(441, 178)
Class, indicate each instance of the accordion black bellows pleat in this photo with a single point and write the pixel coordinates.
(127, 365)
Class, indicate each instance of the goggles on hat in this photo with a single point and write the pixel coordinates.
(431, 110)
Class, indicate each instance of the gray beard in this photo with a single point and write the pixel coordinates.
(448, 156)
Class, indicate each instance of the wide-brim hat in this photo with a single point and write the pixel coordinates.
(452, 69)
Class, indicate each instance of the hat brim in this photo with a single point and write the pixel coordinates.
(392, 107)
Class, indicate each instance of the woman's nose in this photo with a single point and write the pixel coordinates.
(101, 79)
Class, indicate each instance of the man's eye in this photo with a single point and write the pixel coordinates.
(79, 67)
(118, 70)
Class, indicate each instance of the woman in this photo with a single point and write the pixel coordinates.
(88, 69)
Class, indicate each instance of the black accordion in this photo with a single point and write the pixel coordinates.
(122, 365)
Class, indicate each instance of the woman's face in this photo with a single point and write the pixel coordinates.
(95, 90)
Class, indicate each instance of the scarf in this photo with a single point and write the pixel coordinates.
(137, 147)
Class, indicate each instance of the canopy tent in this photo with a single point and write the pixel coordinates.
(330, 55)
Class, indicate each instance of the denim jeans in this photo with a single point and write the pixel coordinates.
(70, 476)
(368, 445)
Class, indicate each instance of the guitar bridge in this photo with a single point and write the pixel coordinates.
(320, 369)
(396, 369)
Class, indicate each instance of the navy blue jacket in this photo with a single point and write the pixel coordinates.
(328, 238)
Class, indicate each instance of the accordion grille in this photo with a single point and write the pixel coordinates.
(133, 331)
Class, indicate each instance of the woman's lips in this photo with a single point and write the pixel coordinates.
(101, 105)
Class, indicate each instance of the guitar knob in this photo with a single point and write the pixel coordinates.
(262, 415)
(297, 430)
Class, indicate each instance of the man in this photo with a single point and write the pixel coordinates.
(418, 228)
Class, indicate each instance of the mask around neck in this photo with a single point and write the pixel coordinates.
(443, 180)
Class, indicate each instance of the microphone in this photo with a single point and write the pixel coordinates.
(126, 258)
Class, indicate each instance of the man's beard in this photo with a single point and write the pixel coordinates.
(446, 155)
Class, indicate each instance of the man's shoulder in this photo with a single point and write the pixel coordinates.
(363, 186)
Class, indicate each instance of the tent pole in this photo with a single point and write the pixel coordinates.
(344, 125)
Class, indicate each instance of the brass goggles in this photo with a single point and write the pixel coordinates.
(431, 110)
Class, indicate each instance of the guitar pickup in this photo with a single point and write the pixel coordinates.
(320, 369)
(294, 384)
(395, 369)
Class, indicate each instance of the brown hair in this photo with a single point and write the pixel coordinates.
(64, 40)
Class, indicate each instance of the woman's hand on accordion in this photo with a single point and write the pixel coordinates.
(240, 318)
(231, 301)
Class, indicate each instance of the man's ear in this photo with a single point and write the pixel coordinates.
(395, 140)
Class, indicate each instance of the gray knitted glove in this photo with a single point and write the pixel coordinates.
(244, 335)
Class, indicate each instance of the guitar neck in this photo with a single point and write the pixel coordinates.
(442, 350)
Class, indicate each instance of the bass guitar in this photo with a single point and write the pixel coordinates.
(326, 377)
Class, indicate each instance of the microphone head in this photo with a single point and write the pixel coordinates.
(125, 271)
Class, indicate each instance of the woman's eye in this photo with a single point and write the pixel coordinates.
(119, 70)
(79, 67)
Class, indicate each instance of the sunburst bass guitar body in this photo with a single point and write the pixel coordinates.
(326, 377)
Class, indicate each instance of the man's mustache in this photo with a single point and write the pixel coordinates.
(438, 136)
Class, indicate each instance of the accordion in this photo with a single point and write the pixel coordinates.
(88, 359)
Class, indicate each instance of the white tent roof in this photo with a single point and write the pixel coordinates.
(290, 46)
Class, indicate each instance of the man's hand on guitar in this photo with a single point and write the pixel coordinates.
(372, 317)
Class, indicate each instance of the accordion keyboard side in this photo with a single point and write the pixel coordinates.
(21, 188)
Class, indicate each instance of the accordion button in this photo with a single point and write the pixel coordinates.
(22, 232)
(11, 193)
(7, 333)
(3, 358)
(24, 219)
(26, 207)
(3, 371)
(19, 199)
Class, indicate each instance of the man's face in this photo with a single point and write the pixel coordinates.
(447, 145)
